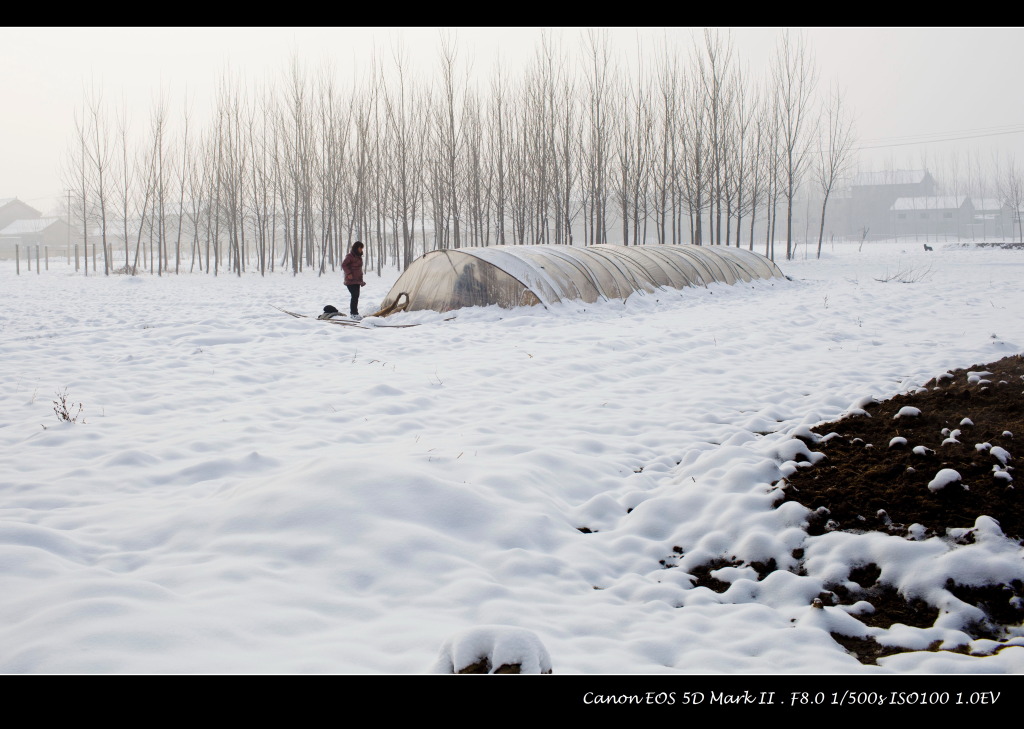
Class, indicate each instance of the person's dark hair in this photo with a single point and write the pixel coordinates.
(357, 247)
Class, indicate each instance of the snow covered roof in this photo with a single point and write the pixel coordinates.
(890, 177)
(987, 203)
(32, 225)
(936, 202)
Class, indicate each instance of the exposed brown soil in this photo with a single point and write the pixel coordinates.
(484, 666)
(872, 480)
(869, 482)
(876, 474)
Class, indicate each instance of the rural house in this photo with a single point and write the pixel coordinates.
(26, 233)
(937, 216)
(873, 194)
(11, 209)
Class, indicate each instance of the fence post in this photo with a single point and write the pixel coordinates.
(46, 255)
(37, 261)
(17, 260)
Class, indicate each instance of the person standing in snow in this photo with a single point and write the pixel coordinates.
(353, 268)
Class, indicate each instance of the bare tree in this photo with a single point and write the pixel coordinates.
(835, 151)
(402, 111)
(477, 179)
(98, 152)
(296, 137)
(635, 130)
(773, 155)
(691, 180)
(450, 139)
(77, 178)
(600, 122)
(159, 169)
(1011, 190)
(195, 178)
(260, 127)
(567, 143)
(520, 173)
(745, 149)
(557, 140)
(794, 76)
(759, 148)
(126, 181)
(498, 142)
(665, 162)
(713, 73)
(182, 181)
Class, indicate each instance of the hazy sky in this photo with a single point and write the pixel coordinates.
(905, 84)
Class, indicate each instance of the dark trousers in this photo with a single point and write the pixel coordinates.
(353, 307)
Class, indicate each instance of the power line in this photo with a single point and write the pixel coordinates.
(931, 138)
(975, 130)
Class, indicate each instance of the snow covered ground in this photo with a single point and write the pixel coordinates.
(247, 492)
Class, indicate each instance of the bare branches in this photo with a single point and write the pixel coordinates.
(65, 411)
(683, 147)
(794, 76)
(1011, 191)
(906, 274)
(835, 150)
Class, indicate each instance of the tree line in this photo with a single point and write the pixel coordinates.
(578, 149)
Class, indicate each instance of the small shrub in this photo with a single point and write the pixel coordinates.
(907, 275)
(65, 411)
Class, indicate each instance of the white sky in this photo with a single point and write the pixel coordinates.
(905, 84)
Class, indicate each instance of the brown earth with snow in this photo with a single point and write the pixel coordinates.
(876, 473)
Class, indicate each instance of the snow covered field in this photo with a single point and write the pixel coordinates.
(247, 492)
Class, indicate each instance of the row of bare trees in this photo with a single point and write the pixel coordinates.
(984, 178)
(672, 148)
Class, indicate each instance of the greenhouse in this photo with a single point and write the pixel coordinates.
(511, 276)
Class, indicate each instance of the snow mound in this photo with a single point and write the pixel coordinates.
(1000, 453)
(493, 649)
(943, 479)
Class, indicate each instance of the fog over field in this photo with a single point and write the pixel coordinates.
(948, 87)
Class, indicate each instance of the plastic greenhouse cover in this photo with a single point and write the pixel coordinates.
(533, 277)
(557, 273)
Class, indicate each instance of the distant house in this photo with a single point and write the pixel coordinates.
(52, 232)
(992, 219)
(933, 216)
(11, 209)
(872, 195)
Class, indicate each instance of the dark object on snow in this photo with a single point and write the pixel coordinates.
(330, 312)
(927, 247)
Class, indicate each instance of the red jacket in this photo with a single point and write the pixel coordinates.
(353, 268)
